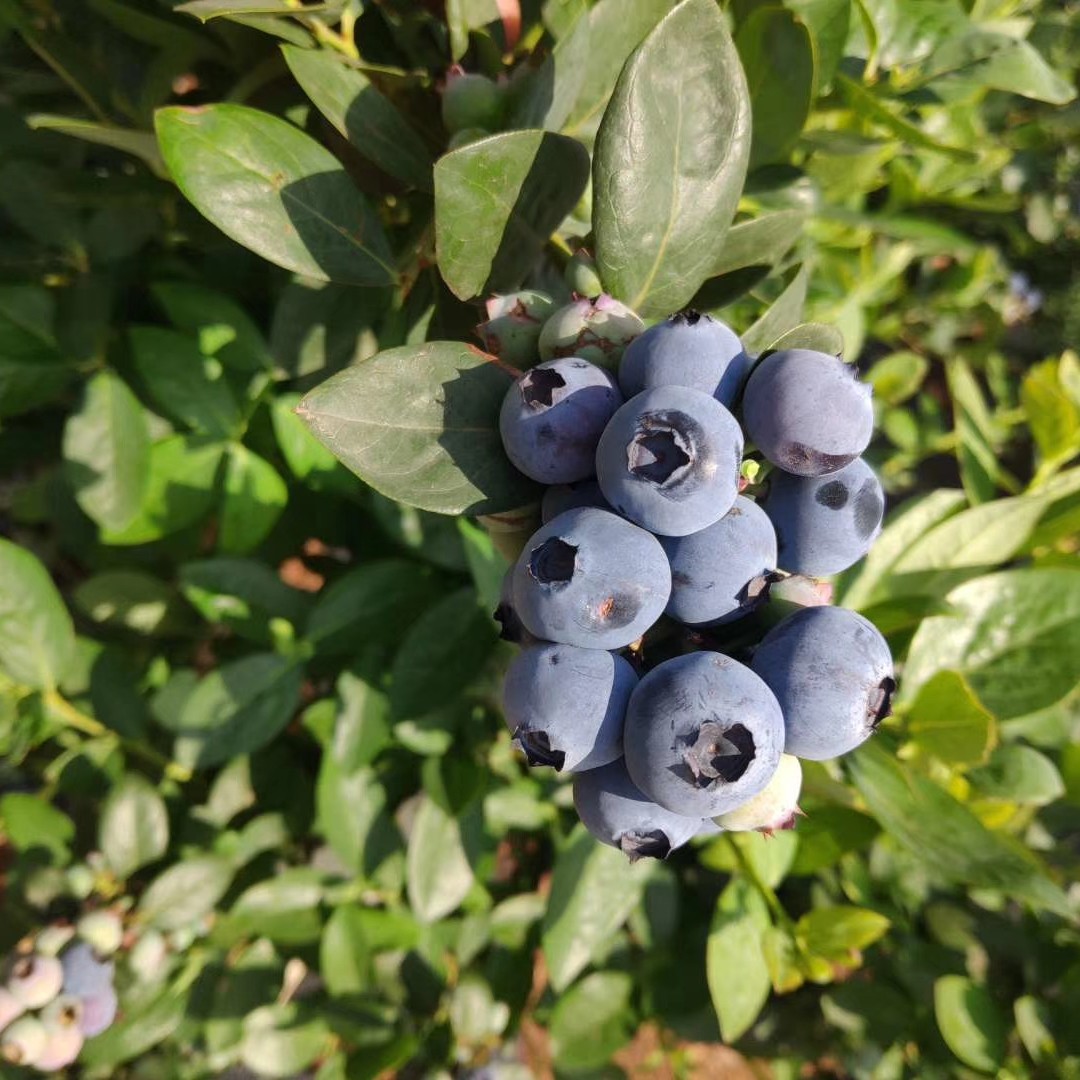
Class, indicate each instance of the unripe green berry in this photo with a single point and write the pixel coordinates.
(35, 980)
(772, 808)
(23, 1042)
(512, 330)
(471, 101)
(465, 137)
(102, 931)
(581, 276)
(595, 330)
(52, 939)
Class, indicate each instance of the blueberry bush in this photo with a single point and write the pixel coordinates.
(268, 270)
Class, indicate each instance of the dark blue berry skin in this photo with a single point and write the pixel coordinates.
(807, 412)
(722, 573)
(615, 811)
(703, 734)
(591, 579)
(687, 349)
(669, 460)
(511, 627)
(824, 524)
(566, 705)
(552, 418)
(565, 497)
(832, 673)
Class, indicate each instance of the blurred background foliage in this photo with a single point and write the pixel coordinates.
(254, 704)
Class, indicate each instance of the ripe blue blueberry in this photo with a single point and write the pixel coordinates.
(511, 628)
(616, 812)
(807, 412)
(824, 524)
(703, 734)
(832, 673)
(591, 579)
(563, 497)
(84, 974)
(669, 460)
(552, 418)
(566, 705)
(687, 349)
(724, 571)
(597, 330)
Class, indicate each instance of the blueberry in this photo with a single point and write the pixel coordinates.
(807, 412)
(687, 349)
(598, 330)
(832, 673)
(62, 1046)
(11, 1008)
(824, 524)
(703, 734)
(512, 330)
(102, 931)
(591, 579)
(471, 101)
(64, 1011)
(563, 497)
(23, 1041)
(581, 275)
(566, 705)
(552, 418)
(723, 572)
(512, 629)
(35, 980)
(773, 808)
(99, 1011)
(669, 460)
(85, 974)
(615, 811)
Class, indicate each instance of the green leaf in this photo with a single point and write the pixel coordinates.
(376, 602)
(1011, 635)
(345, 956)
(828, 22)
(30, 821)
(1053, 415)
(762, 241)
(132, 600)
(37, 637)
(782, 316)
(33, 371)
(945, 836)
(137, 1030)
(592, 1020)
(817, 336)
(274, 189)
(833, 933)
(549, 96)
(237, 708)
(134, 826)
(670, 160)
(739, 981)
(186, 891)
(179, 491)
(346, 97)
(308, 459)
(442, 653)
(205, 10)
(497, 202)
(106, 452)
(140, 144)
(253, 498)
(354, 817)
(593, 890)
(1018, 774)
(778, 57)
(421, 425)
(828, 833)
(898, 376)
(284, 908)
(948, 721)
(977, 439)
(282, 1040)
(970, 1022)
(185, 384)
(438, 873)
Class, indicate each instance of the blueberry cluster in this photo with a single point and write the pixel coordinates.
(651, 568)
(59, 992)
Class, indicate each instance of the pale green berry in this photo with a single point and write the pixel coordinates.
(581, 276)
(471, 101)
(514, 322)
(595, 330)
(52, 939)
(23, 1042)
(102, 931)
(35, 980)
(774, 807)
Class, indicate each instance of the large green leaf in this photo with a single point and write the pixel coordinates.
(828, 22)
(438, 872)
(186, 891)
(778, 57)
(497, 201)
(237, 708)
(134, 826)
(734, 962)
(275, 190)
(1014, 636)
(970, 1022)
(670, 160)
(32, 368)
(593, 890)
(253, 497)
(781, 317)
(421, 425)
(106, 452)
(948, 721)
(346, 97)
(353, 815)
(945, 836)
(37, 638)
(550, 93)
(592, 1020)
